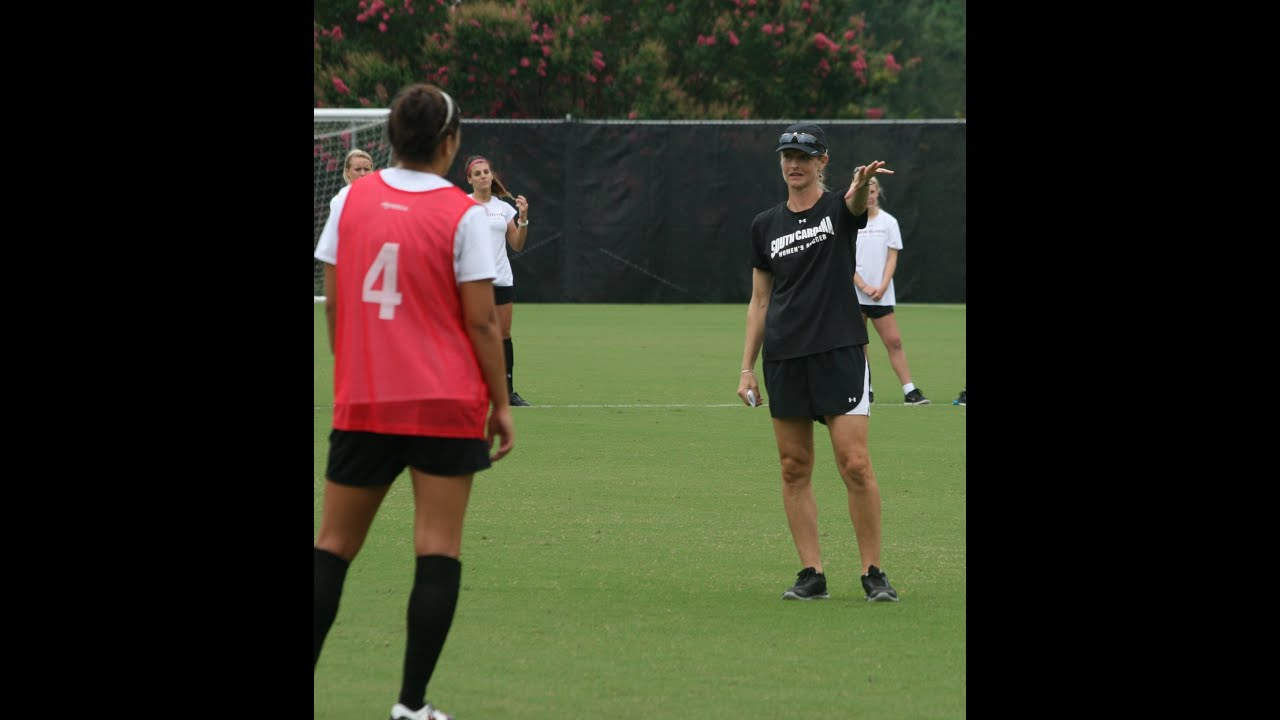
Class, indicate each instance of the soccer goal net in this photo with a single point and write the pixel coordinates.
(336, 133)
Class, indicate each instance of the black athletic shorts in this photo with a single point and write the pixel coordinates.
(504, 294)
(814, 386)
(875, 312)
(366, 459)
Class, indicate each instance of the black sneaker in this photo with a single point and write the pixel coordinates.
(960, 400)
(877, 586)
(915, 397)
(517, 401)
(810, 585)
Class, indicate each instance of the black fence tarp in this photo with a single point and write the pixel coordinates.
(660, 212)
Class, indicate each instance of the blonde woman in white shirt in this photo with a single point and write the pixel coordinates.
(877, 259)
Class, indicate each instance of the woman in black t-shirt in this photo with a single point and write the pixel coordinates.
(805, 314)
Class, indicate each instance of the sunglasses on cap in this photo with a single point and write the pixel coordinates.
(799, 137)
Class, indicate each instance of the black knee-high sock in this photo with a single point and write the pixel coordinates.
(510, 352)
(431, 606)
(328, 573)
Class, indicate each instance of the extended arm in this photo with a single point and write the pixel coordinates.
(856, 198)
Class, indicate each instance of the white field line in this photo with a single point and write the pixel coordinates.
(660, 406)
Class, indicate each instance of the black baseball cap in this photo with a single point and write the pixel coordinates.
(803, 136)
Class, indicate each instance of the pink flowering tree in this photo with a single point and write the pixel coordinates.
(702, 59)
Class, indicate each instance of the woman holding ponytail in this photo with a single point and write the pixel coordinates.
(507, 227)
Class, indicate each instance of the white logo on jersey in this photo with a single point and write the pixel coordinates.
(395, 206)
(781, 246)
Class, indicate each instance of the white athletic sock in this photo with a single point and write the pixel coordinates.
(906, 389)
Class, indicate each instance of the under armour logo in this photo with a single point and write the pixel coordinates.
(850, 399)
(802, 220)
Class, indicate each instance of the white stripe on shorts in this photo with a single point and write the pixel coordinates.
(864, 405)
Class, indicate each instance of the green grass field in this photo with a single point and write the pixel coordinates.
(627, 560)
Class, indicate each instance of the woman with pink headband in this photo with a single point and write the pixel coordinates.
(507, 227)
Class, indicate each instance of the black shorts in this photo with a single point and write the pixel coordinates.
(814, 386)
(875, 312)
(366, 459)
(504, 294)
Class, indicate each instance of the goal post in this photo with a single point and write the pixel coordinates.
(335, 132)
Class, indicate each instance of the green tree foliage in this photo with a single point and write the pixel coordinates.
(646, 59)
(934, 29)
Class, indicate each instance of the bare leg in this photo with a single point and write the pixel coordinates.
(795, 452)
(440, 505)
(344, 522)
(348, 512)
(887, 328)
(849, 441)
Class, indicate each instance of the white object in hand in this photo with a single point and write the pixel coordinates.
(751, 398)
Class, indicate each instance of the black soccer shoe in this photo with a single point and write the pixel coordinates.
(877, 586)
(810, 585)
(915, 397)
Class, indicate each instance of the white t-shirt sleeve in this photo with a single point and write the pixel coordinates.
(508, 212)
(327, 248)
(472, 250)
(895, 235)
